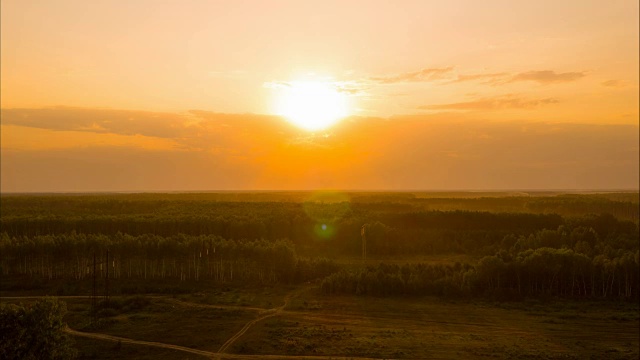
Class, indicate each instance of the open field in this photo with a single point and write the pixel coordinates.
(312, 324)
(89, 348)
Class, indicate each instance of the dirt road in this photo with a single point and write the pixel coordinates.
(138, 342)
(207, 354)
(264, 315)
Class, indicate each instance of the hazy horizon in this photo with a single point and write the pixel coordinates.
(502, 192)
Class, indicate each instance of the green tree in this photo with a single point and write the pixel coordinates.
(34, 331)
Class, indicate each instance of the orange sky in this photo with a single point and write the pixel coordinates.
(148, 95)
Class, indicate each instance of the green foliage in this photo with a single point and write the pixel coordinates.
(315, 268)
(542, 271)
(408, 279)
(152, 257)
(34, 331)
(410, 222)
(581, 245)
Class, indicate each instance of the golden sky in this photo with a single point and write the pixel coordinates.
(183, 95)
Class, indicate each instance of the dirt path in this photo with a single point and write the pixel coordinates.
(161, 297)
(43, 296)
(207, 354)
(138, 342)
(264, 315)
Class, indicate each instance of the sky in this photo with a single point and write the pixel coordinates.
(186, 95)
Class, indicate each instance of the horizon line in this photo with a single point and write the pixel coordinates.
(213, 191)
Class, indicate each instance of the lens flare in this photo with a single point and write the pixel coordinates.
(324, 231)
(326, 208)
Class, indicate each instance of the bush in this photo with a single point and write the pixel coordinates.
(34, 331)
(136, 303)
(108, 312)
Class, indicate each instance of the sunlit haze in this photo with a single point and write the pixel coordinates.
(275, 95)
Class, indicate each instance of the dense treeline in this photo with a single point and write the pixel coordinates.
(408, 279)
(564, 262)
(400, 233)
(399, 228)
(152, 257)
(623, 205)
(544, 271)
(523, 248)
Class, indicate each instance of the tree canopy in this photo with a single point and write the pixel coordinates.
(34, 331)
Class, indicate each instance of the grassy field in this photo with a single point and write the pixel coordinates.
(433, 328)
(312, 324)
(167, 321)
(100, 349)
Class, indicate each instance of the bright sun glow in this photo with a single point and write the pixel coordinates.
(312, 105)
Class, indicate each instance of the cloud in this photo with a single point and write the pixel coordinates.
(354, 87)
(495, 103)
(122, 122)
(490, 78)
(121, 168)
(443, 75)
(250, 151)
(276, 84)
(502, 78)
(547, 76)
(495, 78)
(195, 129)
(615, 83)
(424, 75)
(350, 87)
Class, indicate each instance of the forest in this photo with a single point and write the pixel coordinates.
(517, 245)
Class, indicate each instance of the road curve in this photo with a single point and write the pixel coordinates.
(207, 354)
(217, 355)
(138, 342)
(264, 315)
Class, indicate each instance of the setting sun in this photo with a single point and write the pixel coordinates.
(312, 105)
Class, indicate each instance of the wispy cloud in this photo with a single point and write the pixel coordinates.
(276, 84)
(493, 78)
(494, 103)
(424, 75)
(615, 83)
(195, 129)
(352, 87)
(547, 76)
(349, 87)
(490, 78)
(122, 122)
(539, 76)
(246, 151)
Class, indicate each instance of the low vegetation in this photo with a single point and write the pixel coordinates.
(34, 331)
